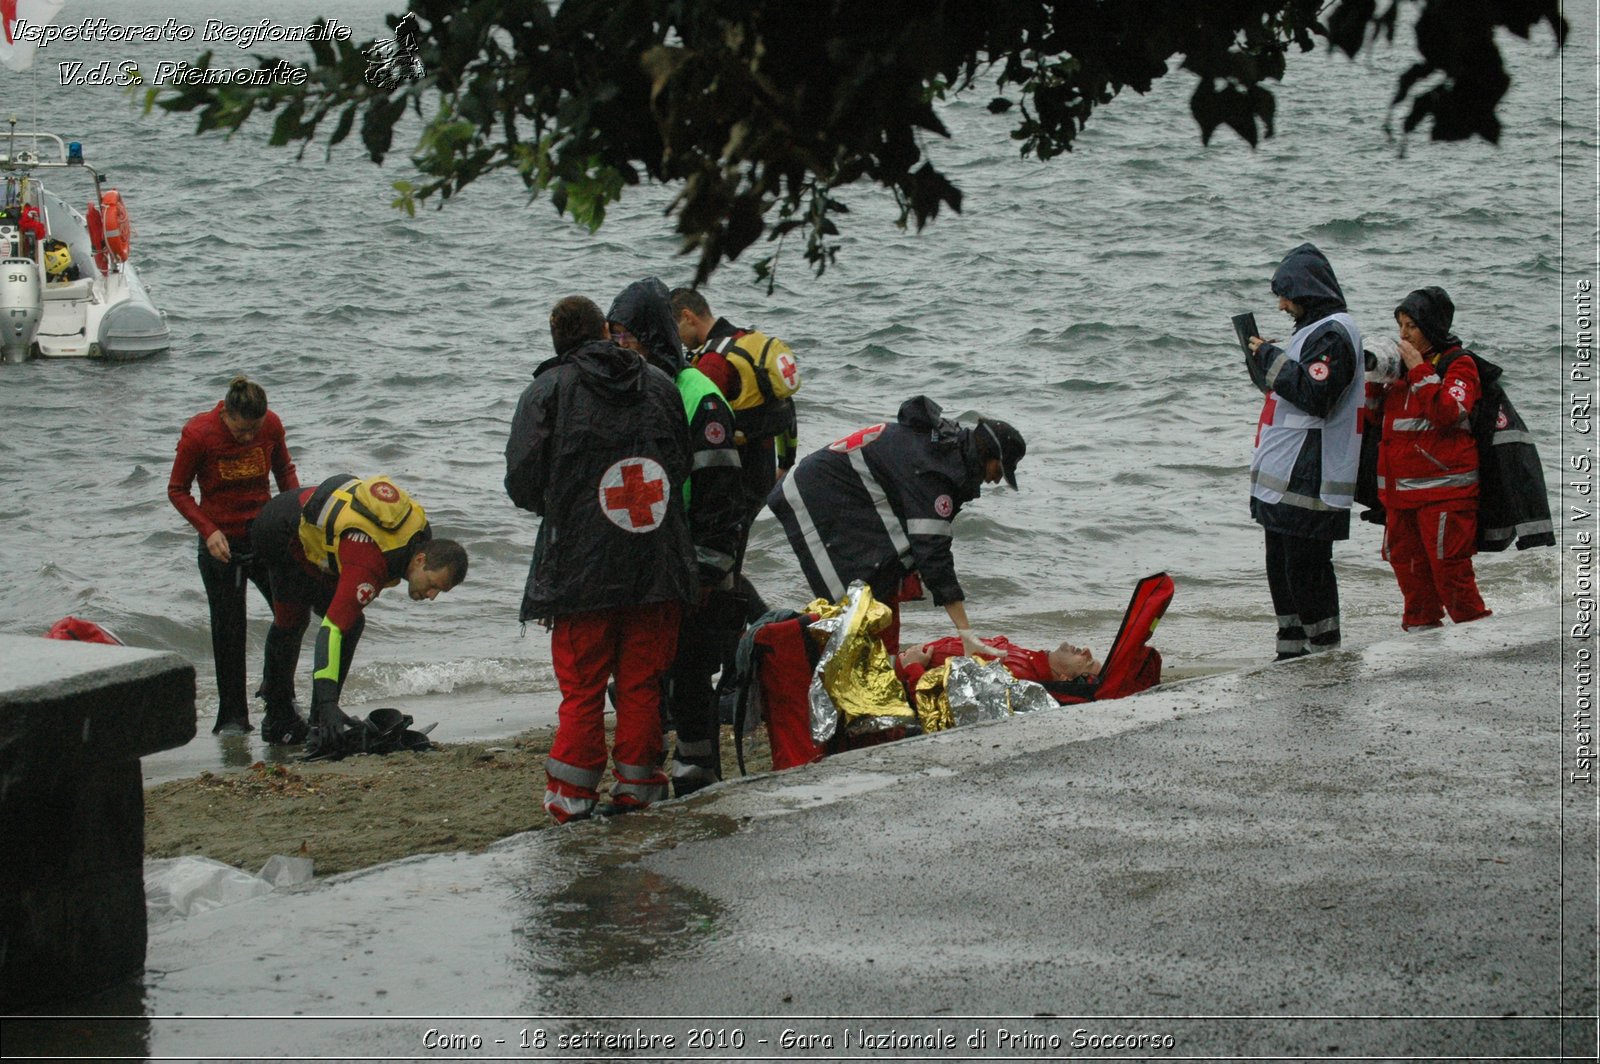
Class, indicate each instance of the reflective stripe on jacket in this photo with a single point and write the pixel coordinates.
(1428, 454)
(879, 504)
(1303, 467)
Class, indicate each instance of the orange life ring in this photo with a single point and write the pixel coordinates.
(115, 222)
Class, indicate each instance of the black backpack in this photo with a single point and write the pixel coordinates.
(1513, 503)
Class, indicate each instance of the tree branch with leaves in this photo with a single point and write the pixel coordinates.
(760, 111)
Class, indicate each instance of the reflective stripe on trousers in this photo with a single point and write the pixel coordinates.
(588, 779)
(812, 538)
(637, 785)
(565, 807)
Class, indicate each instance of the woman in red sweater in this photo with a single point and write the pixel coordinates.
(229, 449)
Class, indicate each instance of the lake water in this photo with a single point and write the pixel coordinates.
(1086, 300)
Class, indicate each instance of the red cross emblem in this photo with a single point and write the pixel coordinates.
(715, 433)
(1501, 421)
(1318, 371)
(384, 491)
(633, 494)
(943, 506)
(857, 439)
(790, 370)
(365, 594)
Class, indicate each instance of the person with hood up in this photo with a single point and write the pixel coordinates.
(599, 449)
(1428, 465)
(878, 505)
(1307, 449)
(641, 319)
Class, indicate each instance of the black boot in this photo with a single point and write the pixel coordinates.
(232, 724)
(283, 725)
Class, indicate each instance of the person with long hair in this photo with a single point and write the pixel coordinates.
(229, 450)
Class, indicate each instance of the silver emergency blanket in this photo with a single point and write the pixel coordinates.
(984, 690)
(854, 679)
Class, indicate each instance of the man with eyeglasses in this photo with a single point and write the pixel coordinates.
(641, 320)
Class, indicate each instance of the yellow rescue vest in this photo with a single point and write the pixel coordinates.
(766, 366)
(375, 507)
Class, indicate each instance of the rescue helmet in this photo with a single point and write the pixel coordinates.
(57, 258)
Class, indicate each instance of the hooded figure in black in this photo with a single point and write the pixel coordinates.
(1307, 449)
(877, 506)
(1434, 312)
(642, 320)
(586, 408)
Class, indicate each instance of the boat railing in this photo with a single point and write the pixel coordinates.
(14, 159)
(66, 155)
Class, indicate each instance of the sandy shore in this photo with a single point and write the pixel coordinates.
(365, 810)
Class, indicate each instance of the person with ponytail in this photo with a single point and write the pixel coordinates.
(229, 450)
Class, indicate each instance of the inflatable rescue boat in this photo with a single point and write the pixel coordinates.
(68, 288)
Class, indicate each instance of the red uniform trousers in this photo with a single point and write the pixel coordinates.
(1431, 550)
(636, 644)
(910, 590)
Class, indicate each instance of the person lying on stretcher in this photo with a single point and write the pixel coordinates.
(1065, 662)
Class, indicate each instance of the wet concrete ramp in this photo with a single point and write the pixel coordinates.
(1375, 852)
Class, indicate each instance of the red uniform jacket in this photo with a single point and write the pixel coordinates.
(1023, 664)
(1427, 454)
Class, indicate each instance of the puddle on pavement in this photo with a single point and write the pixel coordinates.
(610, 915)
(582, 908)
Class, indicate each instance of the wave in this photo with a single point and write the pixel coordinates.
(503, 675)
(1356, 230)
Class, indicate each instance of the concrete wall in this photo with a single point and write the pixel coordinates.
(74, 720)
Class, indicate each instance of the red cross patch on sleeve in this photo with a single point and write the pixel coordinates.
(1318, 371)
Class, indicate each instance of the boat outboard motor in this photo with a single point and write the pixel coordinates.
(21, 307)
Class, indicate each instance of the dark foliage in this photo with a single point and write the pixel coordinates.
(759, 110)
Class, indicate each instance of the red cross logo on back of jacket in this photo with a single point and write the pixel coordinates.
(633, 494)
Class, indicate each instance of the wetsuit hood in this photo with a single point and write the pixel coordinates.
(644, 308)
(1433, 311)
(1305, 276)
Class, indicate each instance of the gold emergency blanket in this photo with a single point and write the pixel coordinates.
(967, 690)
(855, 682)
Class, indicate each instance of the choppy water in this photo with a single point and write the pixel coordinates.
(1086, 300)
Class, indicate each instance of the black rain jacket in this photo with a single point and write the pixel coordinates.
(588, 412)
(716, 481)
(879, 503)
